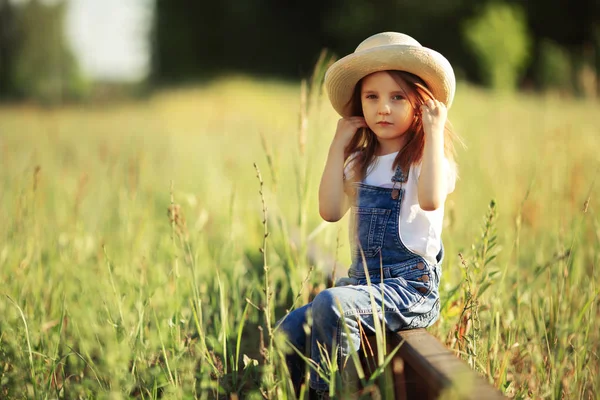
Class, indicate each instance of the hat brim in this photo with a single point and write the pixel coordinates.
(435, 70)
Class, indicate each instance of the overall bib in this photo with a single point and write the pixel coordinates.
(408, 283)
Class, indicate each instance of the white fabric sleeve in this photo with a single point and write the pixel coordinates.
(450, 175)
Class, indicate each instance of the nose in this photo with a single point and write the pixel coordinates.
(384, 109)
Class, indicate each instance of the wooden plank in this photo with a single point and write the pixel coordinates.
(431, 370)
(395, 368)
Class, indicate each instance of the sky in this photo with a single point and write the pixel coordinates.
(110, 37)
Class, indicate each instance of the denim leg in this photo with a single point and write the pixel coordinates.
(293, 326)
(354, 304)
(328, 307)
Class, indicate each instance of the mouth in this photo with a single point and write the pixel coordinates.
(384, 123)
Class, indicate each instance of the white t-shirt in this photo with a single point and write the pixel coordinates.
(420, 230)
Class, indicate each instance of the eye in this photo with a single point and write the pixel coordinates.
(371, 96)
(397, 97)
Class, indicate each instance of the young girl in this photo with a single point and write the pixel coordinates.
(391, 163)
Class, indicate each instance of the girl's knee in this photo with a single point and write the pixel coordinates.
(328, 306)
(292, 325)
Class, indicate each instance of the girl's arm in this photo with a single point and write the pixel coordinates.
(432, 185)
(333, 202)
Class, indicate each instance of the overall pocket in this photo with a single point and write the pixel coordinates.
(418, 275)
(368, 230)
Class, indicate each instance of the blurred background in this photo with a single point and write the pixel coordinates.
(65, 50)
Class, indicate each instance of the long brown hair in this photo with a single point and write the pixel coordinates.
(363, 145)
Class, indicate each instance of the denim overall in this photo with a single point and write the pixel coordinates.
(409, 285)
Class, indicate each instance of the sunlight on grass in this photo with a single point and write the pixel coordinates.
(130, 242)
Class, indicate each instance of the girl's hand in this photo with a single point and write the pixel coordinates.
(434, 114)
(346, 128)
(333, 202)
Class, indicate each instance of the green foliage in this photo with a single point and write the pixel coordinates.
(479, 273)
(45, 69)
(554, 66)
(500, 40)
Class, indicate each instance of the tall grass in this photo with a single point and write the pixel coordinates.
(131, 237)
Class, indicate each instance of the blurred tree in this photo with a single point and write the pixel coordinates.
(500, 39)
(177, 43)
(572, 25)
(436, 25)
(7, 44)
(44, 67)
(285, 38)
(596, 44)
(553, 67)
(195, 40)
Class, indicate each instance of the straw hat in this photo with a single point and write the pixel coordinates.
(389, 51)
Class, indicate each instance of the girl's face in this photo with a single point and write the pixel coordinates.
(387, 111)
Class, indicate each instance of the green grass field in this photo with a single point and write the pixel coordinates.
(130, 240)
